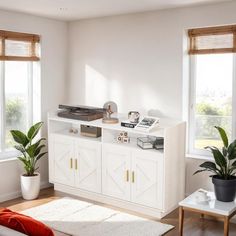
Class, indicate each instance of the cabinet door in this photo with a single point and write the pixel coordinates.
(115, 171)
(63, 155)
(147, 176)
(88, 165)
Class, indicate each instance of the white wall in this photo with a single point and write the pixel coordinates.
(137, 60)
(53, 74)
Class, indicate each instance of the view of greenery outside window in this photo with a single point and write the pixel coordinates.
(211, 103)
(17, 98)
(16, 77)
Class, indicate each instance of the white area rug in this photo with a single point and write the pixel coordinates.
(80, 218)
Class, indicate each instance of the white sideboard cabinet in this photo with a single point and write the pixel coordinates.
(150, 182)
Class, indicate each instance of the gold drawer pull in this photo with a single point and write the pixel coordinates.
(132, 176)
(71, 163)
(127, 176)
(76, 164)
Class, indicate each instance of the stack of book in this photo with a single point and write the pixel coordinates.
(128, 124)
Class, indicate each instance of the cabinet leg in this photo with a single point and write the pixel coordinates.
(181, 220)
(226, 226)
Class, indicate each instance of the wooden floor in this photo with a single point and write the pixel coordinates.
(193, 224)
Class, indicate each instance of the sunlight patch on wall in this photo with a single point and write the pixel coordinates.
(96, 87)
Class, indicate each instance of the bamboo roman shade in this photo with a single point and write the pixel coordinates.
(210, 40)
(16, 46)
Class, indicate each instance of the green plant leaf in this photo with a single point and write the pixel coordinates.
(202, 170)
(19, 137)
(38, 142)
(224, 151)
(232, 150)
(232, 156)
(223, 135)
(234, 163)
(232, 169)
(33, 149)
(23, 159)
(41, 155)
(27, 165)
(38, 149)
(199, 171)
(219, 158)
(33, 131)
(209, 165)
(20, 148)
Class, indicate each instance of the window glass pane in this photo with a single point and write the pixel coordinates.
(16, 98)
(18, 48)
(214, 75)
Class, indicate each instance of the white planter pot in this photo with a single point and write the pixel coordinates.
(30, 186)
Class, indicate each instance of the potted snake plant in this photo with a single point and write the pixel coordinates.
(31, 153)
(223, 168)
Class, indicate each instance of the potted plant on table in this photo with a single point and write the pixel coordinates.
(31, 152)
(223, 168)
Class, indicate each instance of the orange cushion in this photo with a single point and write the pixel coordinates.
(23, 224)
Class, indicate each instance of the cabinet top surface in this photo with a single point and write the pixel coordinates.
(165, 123)
(210, 205)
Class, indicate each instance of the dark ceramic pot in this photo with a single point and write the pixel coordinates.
(225, 189)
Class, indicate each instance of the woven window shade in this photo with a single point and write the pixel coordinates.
(16, 46)
(210, 40)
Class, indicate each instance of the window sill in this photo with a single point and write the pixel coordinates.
(10, 155)
(3, 160)
(199, 157)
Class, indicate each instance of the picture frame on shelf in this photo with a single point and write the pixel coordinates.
(147, 123)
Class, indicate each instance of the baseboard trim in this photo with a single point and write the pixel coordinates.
(17, 194)
(10, 196)
(45, 184)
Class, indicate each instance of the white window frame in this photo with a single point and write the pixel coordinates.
(34, 112)
(192, 107)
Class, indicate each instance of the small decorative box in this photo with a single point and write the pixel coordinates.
(158, 143)
(145, 142)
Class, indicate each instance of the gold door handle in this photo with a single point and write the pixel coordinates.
(127, 175)
(76, 164)
(132, 176)
(71, 163)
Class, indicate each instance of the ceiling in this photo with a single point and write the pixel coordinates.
(69, 10)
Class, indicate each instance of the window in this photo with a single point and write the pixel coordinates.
(19, 86)
(212, 65)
